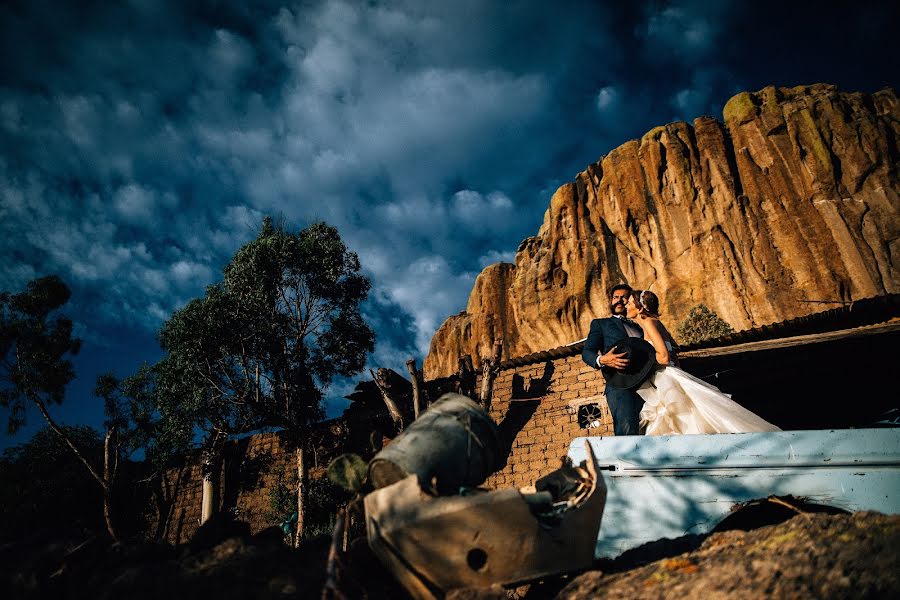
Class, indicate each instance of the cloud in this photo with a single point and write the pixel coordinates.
(430, 290)
(493, 212)
(497, 256)
(607, 98)
(706, 93)
(135, 204)
(142, 143)
(682, 31)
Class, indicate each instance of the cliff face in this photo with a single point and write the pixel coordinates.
(795, 198)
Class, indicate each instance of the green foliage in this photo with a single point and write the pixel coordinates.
(701, 324)
(35, 346)
(322, 501)
(131, 407)
(323, 498)
(282, 496)
(44, 487)
(258, 349)
(348, 471)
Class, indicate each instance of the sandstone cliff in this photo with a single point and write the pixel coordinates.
(794, 198)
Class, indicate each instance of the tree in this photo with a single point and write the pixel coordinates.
(260, 348)
(35, 344)
(43, 487)
(307, 287)
(702, 324)
(208, 380)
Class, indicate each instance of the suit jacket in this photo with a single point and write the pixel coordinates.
(604, 334)
(624, 405)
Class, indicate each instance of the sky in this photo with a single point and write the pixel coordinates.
(142, 142)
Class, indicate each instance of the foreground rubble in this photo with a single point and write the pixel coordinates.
(811, 555)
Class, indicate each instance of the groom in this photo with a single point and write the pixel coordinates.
(624, 405)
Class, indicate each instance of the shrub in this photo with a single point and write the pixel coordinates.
(701, 324)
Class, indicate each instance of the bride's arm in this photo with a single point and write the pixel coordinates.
(654, 336)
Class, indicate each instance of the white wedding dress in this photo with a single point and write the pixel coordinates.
(676, 403)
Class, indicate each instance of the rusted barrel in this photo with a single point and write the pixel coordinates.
(452, 444)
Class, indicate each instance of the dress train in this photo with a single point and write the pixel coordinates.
(676, 402)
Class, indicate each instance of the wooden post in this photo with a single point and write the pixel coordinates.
(414, 378)
(490, 366)
(380, 378)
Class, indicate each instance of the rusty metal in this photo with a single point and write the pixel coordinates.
(434, 544)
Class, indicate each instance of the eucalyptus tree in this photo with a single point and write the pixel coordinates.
(36, 345)
(260, 348)
(305, 289)
(206, 380)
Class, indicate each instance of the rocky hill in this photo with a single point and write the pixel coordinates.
(794, 199)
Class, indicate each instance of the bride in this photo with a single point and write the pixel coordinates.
(676, 402)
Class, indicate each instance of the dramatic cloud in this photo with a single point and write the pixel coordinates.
(141, 143)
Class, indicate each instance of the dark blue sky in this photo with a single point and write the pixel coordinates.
(141, 142)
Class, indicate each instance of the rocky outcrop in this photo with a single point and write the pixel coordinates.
(792, 202)
(809, 556)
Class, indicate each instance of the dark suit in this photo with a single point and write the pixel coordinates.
(624, 405)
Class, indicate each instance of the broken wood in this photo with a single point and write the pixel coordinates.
(414, 376)
(380, 379)
(332, 590)
(466, 376)
(490, 366)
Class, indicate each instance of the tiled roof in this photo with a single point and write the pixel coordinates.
(860, 313)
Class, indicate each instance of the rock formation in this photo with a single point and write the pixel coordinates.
(792, 202)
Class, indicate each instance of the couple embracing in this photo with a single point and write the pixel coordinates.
(644, 386)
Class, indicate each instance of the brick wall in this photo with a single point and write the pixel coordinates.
(248, 475)
(537, 408)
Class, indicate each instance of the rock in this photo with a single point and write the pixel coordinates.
(809, 556)
(794, 198)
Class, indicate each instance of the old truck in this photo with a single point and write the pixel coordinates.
(672, 486)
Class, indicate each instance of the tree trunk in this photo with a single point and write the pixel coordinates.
(65, 438)
(104, 479)
(108, 477)
(414, 378)
(212, 455)
(301, 492)
(206, 507)
(165, 501)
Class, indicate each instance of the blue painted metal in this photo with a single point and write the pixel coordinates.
(669, 486)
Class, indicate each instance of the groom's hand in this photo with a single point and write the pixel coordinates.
(613, 360)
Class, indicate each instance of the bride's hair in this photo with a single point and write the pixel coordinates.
(647, 300)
